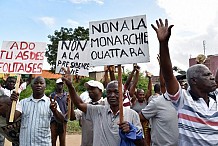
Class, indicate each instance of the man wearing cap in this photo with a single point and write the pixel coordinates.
(95, 90)
(57, 128)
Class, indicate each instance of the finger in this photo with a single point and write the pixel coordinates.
(154, 27)
(166, 23)
(50, 98)
(158, 24)
(68, 69)
(55, 97)
(170, 27)
(64, 69)
(161, 23)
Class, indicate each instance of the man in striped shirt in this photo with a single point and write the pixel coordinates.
(36, 112)
(197, 112)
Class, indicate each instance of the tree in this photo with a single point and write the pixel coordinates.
(177, 69)
(64, 34)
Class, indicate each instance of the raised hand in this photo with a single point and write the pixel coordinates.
(136, 68)
(148, 74)
(53, 104)
(162, 30)
(67, 77)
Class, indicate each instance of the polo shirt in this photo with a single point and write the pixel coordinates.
(105, 124)
(198, 123)
(35, 121)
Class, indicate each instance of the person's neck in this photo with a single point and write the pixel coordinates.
(60, 91)
(199, 94)
(114, 109)
(96, 99)
(38, 96)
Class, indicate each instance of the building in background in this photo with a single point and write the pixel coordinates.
(211, 62)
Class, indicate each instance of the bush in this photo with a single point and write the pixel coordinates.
(73, 127)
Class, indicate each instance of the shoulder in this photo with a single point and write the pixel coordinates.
(129, 111)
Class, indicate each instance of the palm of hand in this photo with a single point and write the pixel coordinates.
(163, 34)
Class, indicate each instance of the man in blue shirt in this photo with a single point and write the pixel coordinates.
(57, 128)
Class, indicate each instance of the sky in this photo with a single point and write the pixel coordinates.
(194, 21)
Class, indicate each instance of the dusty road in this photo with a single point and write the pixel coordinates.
(72, 140)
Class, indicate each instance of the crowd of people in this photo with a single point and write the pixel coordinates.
(175, 113)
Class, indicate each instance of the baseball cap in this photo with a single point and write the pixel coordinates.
(93, 83)
(59, 81)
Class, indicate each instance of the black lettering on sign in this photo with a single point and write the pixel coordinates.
(121, 25)
(117, 53)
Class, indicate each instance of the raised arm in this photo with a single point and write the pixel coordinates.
(149, 90)
(72, 92)
(111, 69)
(162, 82)
(135, 81)
(129, 79)
(163, 34)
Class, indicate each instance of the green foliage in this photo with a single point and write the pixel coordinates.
(64, 34)
(73, 127)
(26, 93)
(80, 85)
(142, 83)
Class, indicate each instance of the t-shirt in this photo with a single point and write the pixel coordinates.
(87, 126)
(164, 122)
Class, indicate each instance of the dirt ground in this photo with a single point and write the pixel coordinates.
(74, 140)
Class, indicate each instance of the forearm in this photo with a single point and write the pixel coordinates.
(59, 116)
(76, 99)
(111, 72)
(72, 113)
(166, 68)
(149, 91)
(165, 61)
(129, 79)
(162, 83)
(133, 86)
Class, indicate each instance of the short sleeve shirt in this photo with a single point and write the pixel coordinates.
(105, 127)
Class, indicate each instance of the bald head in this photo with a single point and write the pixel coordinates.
(201, 79)
(195, 71)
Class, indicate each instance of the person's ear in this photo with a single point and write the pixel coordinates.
(193, 81)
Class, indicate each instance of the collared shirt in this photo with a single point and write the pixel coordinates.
(105, 124)
(35, 121)
(163, 120)
(198, 123)
(87, 126)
